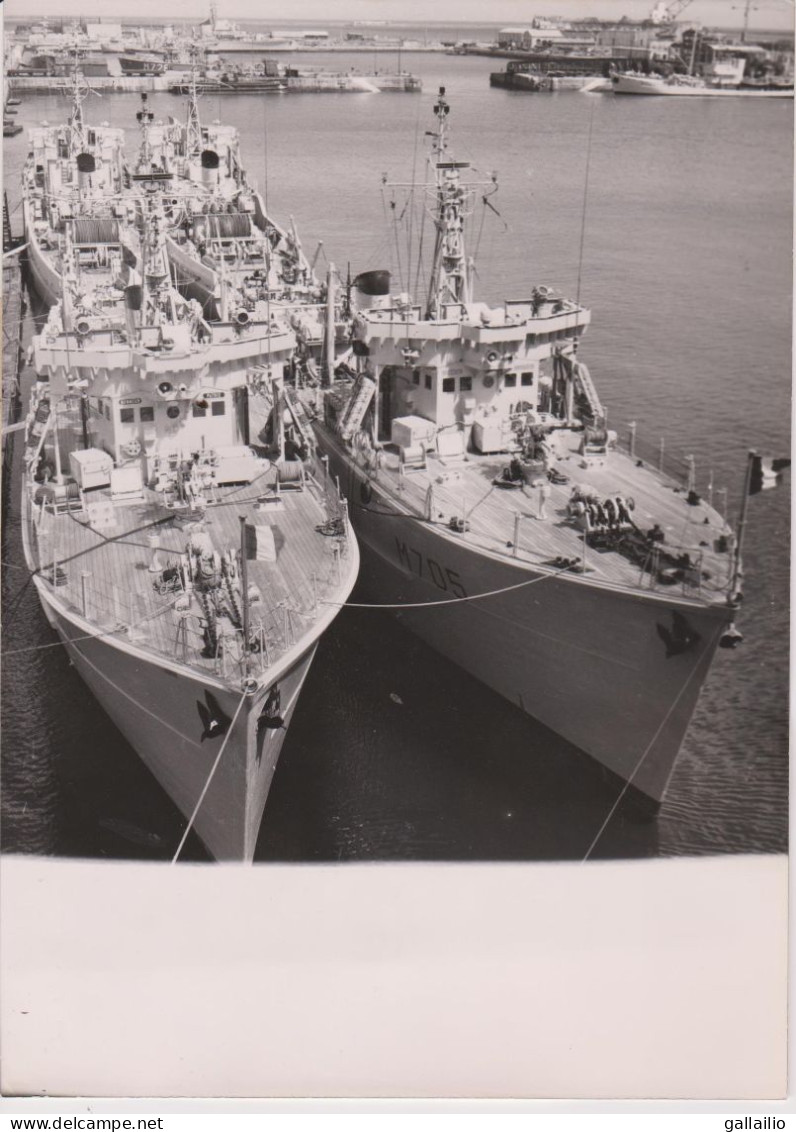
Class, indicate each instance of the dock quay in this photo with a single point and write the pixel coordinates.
(12, 348)
(175, 82)
(13, 309)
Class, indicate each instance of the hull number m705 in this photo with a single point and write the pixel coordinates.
(442, 576)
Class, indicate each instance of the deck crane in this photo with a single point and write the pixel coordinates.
(664, 13)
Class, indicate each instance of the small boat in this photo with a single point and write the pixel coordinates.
(501, 516)
(714, 68)
(629, 82)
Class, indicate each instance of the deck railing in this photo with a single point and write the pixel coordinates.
(680, 467)
(169, 615)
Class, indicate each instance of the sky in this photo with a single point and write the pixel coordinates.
(719, 13)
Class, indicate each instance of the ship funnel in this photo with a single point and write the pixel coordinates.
(134, 297)
(86, 165)
(210, 163)
(371, 289)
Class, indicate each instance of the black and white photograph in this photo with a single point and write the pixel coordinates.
(396, 547)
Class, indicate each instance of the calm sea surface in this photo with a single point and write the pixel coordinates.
(395, 754)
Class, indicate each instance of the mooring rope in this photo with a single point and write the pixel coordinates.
(647, 750)
(446, 601)
(206, 786)
(86, 636)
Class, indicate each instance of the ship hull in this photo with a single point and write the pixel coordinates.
(600, 666)
(163, 711)
(46, 279)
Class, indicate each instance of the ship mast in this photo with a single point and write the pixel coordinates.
(193, 126)
(158, 295)
(145, 118)
(450, 275)
(77, 136)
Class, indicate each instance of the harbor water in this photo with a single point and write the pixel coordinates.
(672, 220)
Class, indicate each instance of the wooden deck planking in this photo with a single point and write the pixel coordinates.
(120, 586)
(491, 513)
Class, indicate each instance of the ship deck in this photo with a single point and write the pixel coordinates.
(465, 489)
(110, 557)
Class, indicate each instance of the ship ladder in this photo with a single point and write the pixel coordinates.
(357, 406)
(8, 241)
(583, 377)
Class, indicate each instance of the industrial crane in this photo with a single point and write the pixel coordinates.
(664, 13)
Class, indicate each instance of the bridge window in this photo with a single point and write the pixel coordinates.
(218, 408)
(449, 385)
(465, 384)
(428, 381)
(511, 380)
(127, 416)
(147, 413)
(199, 410)
(527, 379)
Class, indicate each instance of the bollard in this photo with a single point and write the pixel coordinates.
(155, 566)
(118, 609)
(691, 482)
(722, 492)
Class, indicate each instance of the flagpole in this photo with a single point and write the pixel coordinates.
(736, 569)
(244, 586)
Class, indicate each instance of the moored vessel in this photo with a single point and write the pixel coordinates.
(630, 82)
(188, 559)
(74, 178)
(498, 514)
(218, 230)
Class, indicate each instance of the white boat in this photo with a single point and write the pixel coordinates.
(496, 512)
(188, 570)
(692, 85)
(715, 68)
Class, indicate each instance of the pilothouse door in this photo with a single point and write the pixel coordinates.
(386, 396)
